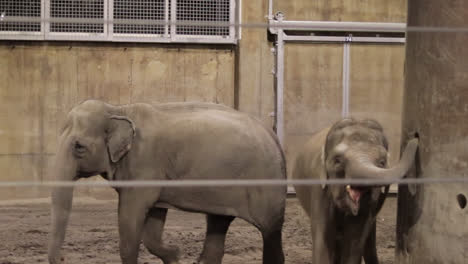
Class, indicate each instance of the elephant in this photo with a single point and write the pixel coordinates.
(343, 218)
(174, 141)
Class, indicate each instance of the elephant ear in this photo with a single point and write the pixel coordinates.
(120, 136)
(323, 171)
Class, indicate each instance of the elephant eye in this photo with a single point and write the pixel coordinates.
(382, 163)
(79, 147)
(337, 160)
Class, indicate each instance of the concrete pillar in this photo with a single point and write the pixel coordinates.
(432, 223)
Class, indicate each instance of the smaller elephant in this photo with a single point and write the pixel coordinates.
(343, 218)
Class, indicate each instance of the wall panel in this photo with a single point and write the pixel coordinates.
(312, 92)
(41, 83)
(376, 88)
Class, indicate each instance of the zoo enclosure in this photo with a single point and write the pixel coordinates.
(29, 141)
(45, 78)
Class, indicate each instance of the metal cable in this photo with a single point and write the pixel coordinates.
(293, 25)
(231, 182)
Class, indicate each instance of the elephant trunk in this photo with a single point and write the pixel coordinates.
(367, 170)
(65, 170)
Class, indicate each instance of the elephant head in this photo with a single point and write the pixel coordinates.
(94, 138)
(358, 150)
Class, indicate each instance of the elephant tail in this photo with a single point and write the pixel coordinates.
(280, 149)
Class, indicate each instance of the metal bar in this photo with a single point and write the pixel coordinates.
(43, 23)
(232, 18)
(379, 40)
(109, 16)
(290, 38)
(160, 39)
(239, 20)
(345, 80)
(341, 26)
(280, 87)
(16, 35)
(173, 19)
(270, 9)
(77, 36)
(122, 38)
(338, 39)
(47, 19)
(235, 182)
(166, 18)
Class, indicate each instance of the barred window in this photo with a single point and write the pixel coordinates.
(140, 11)
(201, 21)
(76, 10)
(212, 12)
(18, 11)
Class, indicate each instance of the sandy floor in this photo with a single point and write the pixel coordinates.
(92, 235)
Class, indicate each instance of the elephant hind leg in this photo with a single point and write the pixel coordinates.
(152, 237)
(213, 248)
(272, 247)
(370, 249)
(272, 242)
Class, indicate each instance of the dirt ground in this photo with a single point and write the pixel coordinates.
(92, 235)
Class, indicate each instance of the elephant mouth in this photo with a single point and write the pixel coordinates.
(355, 194)
(86, 174)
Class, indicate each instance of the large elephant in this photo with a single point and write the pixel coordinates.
(343, 218)
(179, 141)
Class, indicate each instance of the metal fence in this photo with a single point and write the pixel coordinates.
(177, 21)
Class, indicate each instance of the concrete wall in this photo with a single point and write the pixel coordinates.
(39, 81)
(339, 10)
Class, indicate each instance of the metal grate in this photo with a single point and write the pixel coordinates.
(77, 11)
(166, 21)
(20, 10)
(200, 11)
(140, 11)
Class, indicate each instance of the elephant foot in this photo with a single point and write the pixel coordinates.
(56, 260)
(204, 261)
(168, 255)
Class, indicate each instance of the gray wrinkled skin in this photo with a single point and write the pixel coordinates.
(173, 141)
(343, 218)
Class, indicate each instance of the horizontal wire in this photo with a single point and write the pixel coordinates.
(232, 183)
(292, 25)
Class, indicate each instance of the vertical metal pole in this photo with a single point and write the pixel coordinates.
(173, 18)
(345, 100)
(109, 16)
(47, 19)
(270, 9)
(42, 19)
(232, 19)
(280, 86)
(166, 18)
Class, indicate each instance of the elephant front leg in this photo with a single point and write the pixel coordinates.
(370, 249)
(133, 205)
(323, 242)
